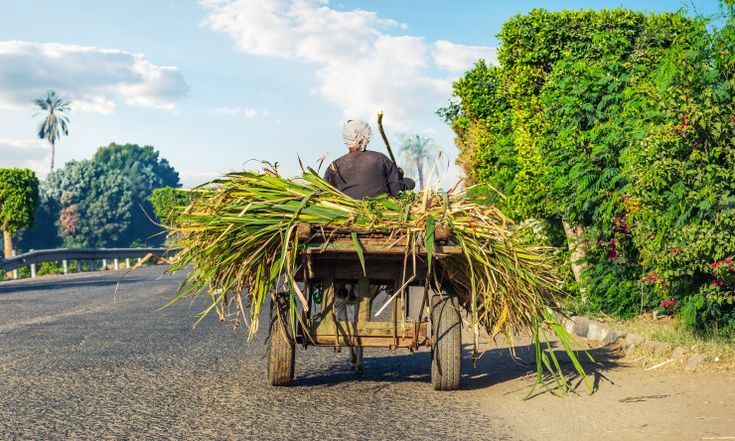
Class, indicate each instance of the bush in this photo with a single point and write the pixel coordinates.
(620, 125)
(167, 202)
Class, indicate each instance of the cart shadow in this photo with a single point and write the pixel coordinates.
(493, 367)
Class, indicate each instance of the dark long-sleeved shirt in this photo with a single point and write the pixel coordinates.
(364, 174)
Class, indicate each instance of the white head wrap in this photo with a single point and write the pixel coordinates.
(356, 134)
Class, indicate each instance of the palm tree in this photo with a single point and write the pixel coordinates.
(55, 122)
(417, 151)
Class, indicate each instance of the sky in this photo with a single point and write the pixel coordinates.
(215, 84)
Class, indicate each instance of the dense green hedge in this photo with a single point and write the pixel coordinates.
(167, 202)
(616, 122)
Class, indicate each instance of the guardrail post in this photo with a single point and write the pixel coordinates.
(33, 269)
(15, 271)
(127, 263)
(117, 264)
(104, 264)
(66, 266)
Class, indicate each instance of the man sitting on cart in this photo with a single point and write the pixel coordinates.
(363, 173)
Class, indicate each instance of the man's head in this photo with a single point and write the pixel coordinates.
(356, 134)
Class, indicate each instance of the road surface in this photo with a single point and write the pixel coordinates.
(78, 361)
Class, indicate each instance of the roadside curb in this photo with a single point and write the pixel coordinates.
(600, 333)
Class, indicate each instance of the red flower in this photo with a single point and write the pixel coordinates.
(668, 303)
(732, 117)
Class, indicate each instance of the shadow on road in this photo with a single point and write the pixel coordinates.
(494, 366)
(60, 283)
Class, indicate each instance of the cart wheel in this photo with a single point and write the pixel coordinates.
(281, 347)
(446, 351)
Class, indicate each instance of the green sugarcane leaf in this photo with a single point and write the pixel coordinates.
(430, 227)
(360, 254)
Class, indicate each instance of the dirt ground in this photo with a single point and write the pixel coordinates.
(629, 402)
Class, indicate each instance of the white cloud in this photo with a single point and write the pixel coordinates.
(94, 79)
(361, 68)
(26, 153)
(459, 57)
(248, 113)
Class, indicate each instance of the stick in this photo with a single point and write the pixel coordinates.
(385, 138)
(660, 364)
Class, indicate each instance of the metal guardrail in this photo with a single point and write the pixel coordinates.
(66, 254)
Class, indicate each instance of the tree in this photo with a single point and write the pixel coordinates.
(18, 198)
(103, 201)
(55, 122)
(417, 151)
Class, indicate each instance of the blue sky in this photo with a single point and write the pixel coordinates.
(215, 83)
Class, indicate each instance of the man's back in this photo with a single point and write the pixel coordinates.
(362, 174)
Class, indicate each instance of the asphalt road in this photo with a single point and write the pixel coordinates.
(79, 362)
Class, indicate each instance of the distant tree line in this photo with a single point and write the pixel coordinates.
(101, 202)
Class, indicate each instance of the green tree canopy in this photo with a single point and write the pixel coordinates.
(103, 201)
(18, 199)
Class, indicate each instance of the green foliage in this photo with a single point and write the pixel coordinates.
(103, 201)
(144, 171)
(95, 204)
(43, 234)
(18, 198)
(49, 268)
(622, 123)
(482, 123)
(682, 170)
(168, 202)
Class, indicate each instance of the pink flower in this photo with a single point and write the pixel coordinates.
(668, 303)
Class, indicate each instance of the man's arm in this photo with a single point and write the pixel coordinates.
(395, 183)
(329, 174)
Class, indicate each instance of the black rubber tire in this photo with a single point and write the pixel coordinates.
(281, 352)
(446, 351)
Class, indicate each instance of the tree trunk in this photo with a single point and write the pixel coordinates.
(420, 168)
(579, 250)
(53, 153)
(8, 247)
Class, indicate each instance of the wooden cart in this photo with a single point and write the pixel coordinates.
(385, 306)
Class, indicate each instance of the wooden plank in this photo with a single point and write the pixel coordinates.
(369, 342)
(373, 246)
(366, 329)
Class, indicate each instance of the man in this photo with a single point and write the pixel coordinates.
(362, 173)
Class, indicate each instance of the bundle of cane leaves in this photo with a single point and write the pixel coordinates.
(237, 242)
